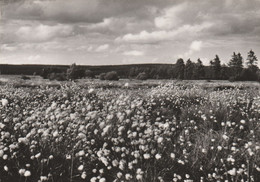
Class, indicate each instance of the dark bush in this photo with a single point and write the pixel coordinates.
(25, 77)
(57, 76)
(74, 72)
(111, 76)
(89, 74)
(142, 76)
(102, 76)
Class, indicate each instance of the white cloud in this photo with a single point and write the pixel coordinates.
(34, 58)
(43, 32)
(6, 47)
(133, 53)
(102, 48)
(195, 46)
(162, 35)
(170, 17)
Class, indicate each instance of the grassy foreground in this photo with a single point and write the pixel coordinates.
(129, 131)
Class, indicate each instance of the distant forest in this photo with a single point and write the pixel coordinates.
(184, 70)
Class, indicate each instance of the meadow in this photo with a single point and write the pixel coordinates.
(128, 130)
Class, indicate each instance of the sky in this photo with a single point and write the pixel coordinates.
(108, 32)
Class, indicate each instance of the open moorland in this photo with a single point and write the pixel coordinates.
(129, 130)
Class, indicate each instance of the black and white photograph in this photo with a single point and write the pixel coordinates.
(129, 90)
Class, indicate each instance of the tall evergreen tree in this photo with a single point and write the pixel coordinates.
(215, 67)
(236, 64)
(198, 71)
(188, 70)
(251, 59)
(179, 68)
(250, 73)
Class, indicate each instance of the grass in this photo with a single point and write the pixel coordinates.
(153, 130)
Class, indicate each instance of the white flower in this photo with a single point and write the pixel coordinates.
(93, 179)
(102, 180)
(204, 151)
(146, 156)
(83, 175)
(160, 139)
(5, 168)
(172, 155)
(119, 174)
(80, 168)
(128, 176)
(1, 153)
(55, 134)
(44, 178)
(158, 156)
(23, 140)
(21, 171)
(104, 160)
(242, 121)
(37, 155)
(139, 176)
(187, 175)
(27, 173)
(81, 153)
(225, 137)
(5, 157)
(219, 148)
(232, 172)
(4, 102)
(91, 90)
(115, 163)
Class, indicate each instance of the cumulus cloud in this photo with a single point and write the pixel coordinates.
(6, 47)
(86, 26)
(170, 18)
(195, 46)
(43, 32)
(33, 58)
(133, 53)
(102, 48)
(79, 10)
(163, 35)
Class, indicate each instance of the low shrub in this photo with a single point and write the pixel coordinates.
(24, 77)
(112, 76)
(142, 76)
(57, 76)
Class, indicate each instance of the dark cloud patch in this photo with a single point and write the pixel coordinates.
(91, 11)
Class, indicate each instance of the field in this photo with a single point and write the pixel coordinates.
(140, 131)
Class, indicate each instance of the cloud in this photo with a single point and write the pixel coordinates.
(133, 53)
(171, 17)
(33, 58)
(6, 47)
(43, 32)
(102, 48)
(162, 35)
(163, 29)
(79, 10)
(195, 46)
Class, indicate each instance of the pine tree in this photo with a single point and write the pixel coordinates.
(179, 69)
(251, 59)
(188, 70)
(236, 64)
(216, 68)
(198, 71)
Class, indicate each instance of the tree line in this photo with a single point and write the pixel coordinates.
(237, 69)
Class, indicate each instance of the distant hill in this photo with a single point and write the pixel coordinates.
(37, 69)
(153, 71)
